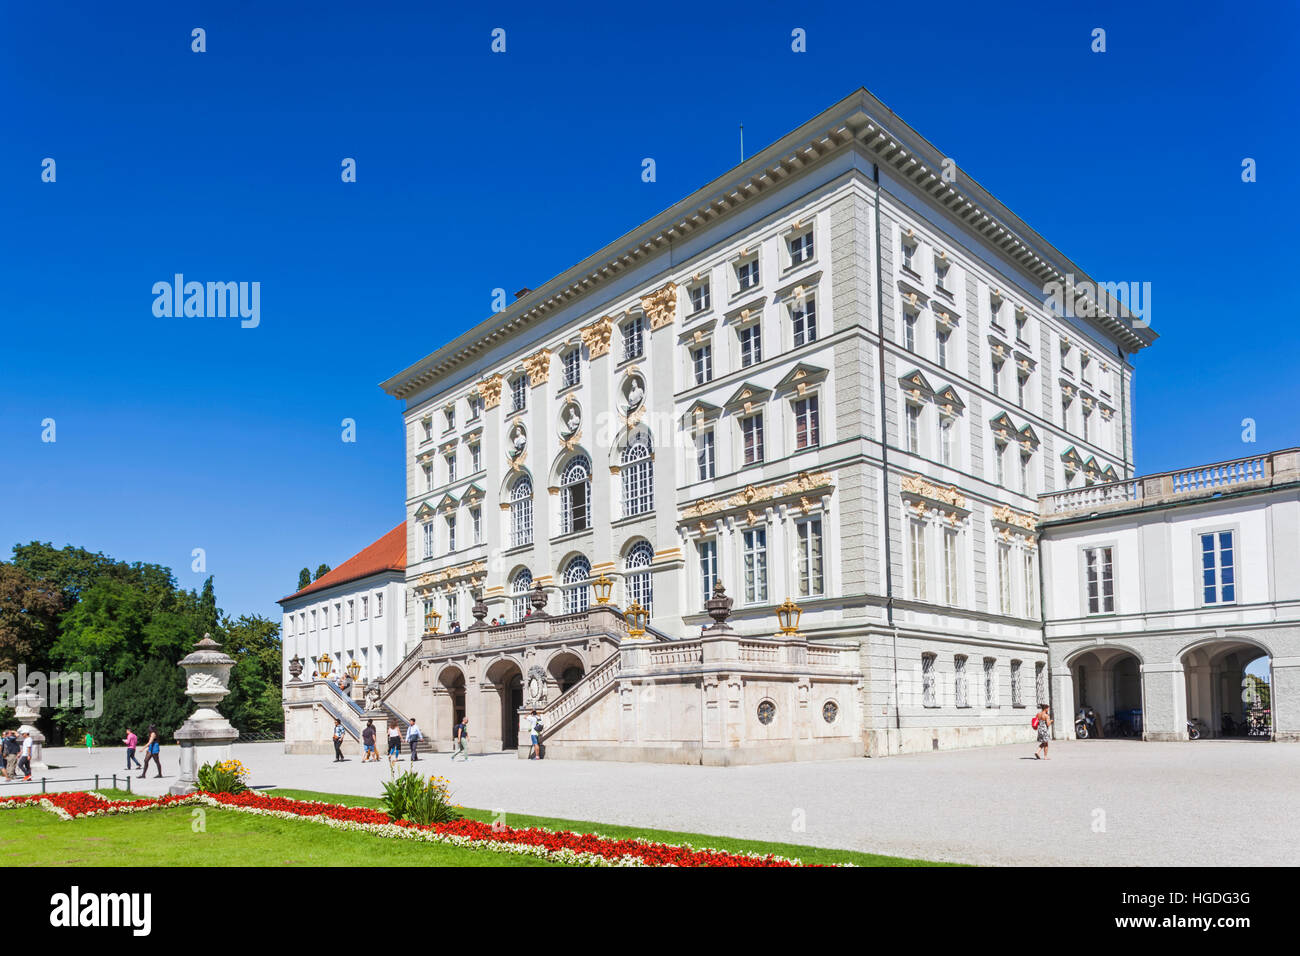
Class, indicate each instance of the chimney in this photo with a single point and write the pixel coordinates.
(522, 292)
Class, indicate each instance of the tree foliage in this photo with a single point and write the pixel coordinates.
(304, 578)
(321, 571)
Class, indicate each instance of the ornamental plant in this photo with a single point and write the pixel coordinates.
(227, 776)
(411, 797)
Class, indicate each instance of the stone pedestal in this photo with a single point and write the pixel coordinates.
(207, 736)
(27, 708)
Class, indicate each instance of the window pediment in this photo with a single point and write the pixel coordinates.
(750, 311)
(747, 396)
(949, 401)
(797, 290)
(800, 378)
(916, 385)
(1028, 438)
(700, 413)
(425, 510)
(1071, 458)
(1002, 426)
(697, 333)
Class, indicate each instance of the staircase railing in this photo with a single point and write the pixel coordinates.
(587, 689)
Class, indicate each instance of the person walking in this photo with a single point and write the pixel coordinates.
(394, 743)
(10, 750)
(535, 736)
(25, 757)
(90, 743)
(413, 738)
(338, 740)
(368, 743)
(131, 741)
(461, 737)
(152, 751)
(1043, 724)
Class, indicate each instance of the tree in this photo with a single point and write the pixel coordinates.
(153, 695)
(304, 578)
(29, 619)
(255, 701)
(321, 571)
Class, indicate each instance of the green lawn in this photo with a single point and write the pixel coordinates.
(33, 837)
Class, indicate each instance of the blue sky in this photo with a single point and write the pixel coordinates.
(479, 170)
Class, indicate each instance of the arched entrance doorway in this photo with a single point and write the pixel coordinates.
(508, 682)
(1229, 689)
(449, 703)
(1109, 680)
(566, 670)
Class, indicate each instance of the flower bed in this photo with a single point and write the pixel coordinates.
(561, 846)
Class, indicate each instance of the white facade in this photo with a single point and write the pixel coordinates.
(1161, 590)
(362, 620)
(828, 376)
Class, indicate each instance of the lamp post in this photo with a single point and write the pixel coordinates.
(434, 620)
(787, 615)
(323, 665)
(354, 669)
(602, 586)
(636, 617)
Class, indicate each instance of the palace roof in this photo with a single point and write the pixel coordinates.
(386, 554)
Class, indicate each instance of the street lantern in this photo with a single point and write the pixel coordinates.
(636, 617)
(602, 586)
(354, 669)
(323, 665)
(435, 619)
(788, 615)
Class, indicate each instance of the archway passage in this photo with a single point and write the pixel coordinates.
(565, 670)
(1108, 680)
(450, 703)
(508, 682)
(1229, 689)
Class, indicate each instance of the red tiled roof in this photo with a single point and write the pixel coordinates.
(386, 554)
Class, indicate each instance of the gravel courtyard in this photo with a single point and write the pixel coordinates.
(1095, 802)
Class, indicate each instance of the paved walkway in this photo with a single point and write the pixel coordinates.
(1211, 802)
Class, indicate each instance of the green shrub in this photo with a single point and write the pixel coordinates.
(411, 797)
(225, 777)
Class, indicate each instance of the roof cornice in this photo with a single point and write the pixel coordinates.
(858, 121)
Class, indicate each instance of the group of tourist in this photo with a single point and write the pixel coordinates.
(369, 735)
(17, 753)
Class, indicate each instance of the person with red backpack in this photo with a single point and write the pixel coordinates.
(1042, 723)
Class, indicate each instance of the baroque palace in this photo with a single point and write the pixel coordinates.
(760, 480)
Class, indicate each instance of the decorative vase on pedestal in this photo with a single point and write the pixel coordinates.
(27, 708)
(206, 737)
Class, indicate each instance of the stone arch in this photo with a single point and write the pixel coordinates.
(625, 437)
(502, 690)
(561, 461)
(1108, 678)
(512, 476)
(565, 667)
(448, 704)
(1221, 693)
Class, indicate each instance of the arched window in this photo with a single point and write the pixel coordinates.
(577, 589)
(520, 587)
(575, 496)
(521, 513)
(638, 477)
(637, 579)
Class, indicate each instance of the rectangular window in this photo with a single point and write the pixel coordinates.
(990, 682)
(1040, 683)
(747, 274)
(1022, 387)
(909, 331)
(751, 345)
(804, 319)
(941, 269)
(475, 407)
(916, 535)
(453, 611)
(808, 533)
(1031, 583)
(379, 605)
(451, 467)
(519, 394)
(950, 567)
(947, 426)
(572, 367)
(801, 248)
(704, 455)
(997, 377)
(351, 611)
(755, 544)
(426, 530)
(702, 361)
(451, 532)
(428, 615)
(909, 252)
(699, 297)
(1099, 580)
(1218, 568)
(365, 608)
(1004, 578)
(807, 425)
(476, 524)
(1017, 692)
(1087, 416)
(475, 458)
(751, 430)
(941, 347)
(1026, 478)
(428, 477)
(450, 414)
(426, 427)
(929, 688)
(633, 339)
(914, 428)
(708, 551)
(959, 680)
(1000, 462)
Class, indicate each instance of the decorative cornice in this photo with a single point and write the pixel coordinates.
(920, 487)
(661, 306)
(801, 484)
(596, 336)
(1005, 514)
(490, 389)
(538, 367)
(431, 579)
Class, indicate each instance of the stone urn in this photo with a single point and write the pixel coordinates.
(295, 668)
(27, 708)
(206, 737)
(538, 600)
(718, 607)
